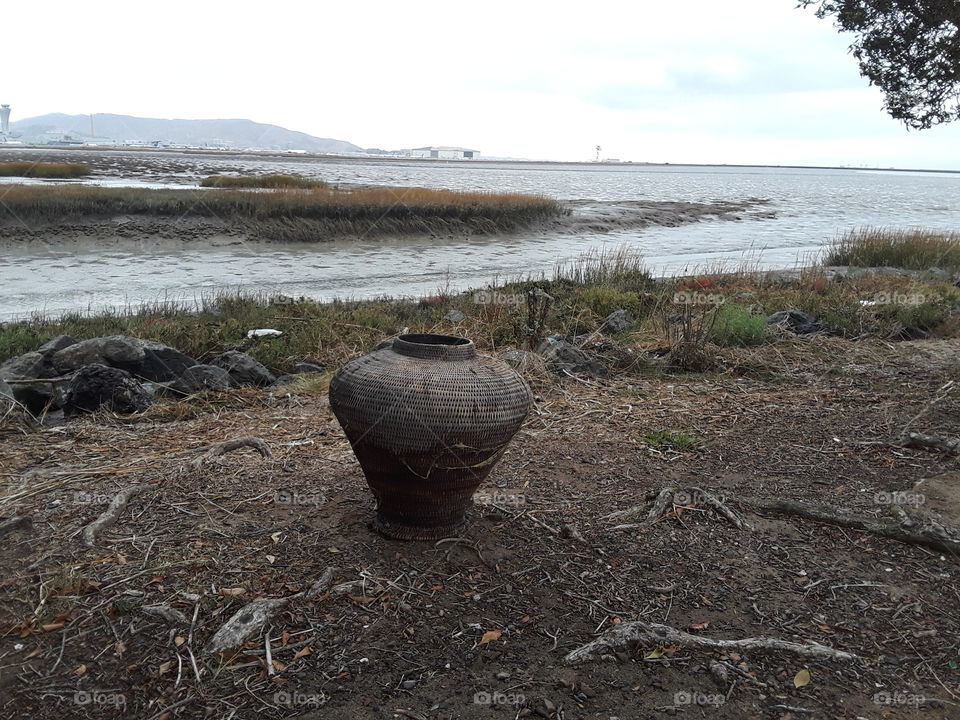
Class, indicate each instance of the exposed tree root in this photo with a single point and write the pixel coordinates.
(627, 636)
(252, 617)
(914, 531)
(682, 498)
(948, 446)
(110, 515)
(230, 445)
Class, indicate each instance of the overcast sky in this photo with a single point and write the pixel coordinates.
(741, 81)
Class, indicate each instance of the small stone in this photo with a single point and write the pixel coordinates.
(408, 684)
(455, 316)
(503, 675)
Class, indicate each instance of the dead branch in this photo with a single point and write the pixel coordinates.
(222, 448)
(948, 446)
(627, 636)
(110, 515)
(914, 531)
(252, 617)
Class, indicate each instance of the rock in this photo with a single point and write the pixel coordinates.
(39, 397)
(117, 351)
(97, 385)
(455, 316)
(57, 343)
(162, 363)
(408, 684)
(158, 389)
(28, 366)
(797, 322)
(201, 377)
(617, 322)
(6, 396)
(284, 380)
(305, 367)
(243, 369)
(563, 357)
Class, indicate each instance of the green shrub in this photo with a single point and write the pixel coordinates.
(735, 326)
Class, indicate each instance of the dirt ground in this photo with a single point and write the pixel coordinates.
(478, 627)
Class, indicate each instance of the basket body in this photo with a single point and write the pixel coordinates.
(428, 419)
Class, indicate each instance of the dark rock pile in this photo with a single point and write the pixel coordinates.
(120, 373)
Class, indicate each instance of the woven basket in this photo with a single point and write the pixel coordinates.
(428, 419)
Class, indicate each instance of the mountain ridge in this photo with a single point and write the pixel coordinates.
(238, 133)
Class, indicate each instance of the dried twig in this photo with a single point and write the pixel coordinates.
(222, 448)
(110, 515)
(252, 617)
(626, 636)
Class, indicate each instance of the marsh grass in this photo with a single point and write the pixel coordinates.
(270, 181)
(44, 170)
(907, 249)
(290, 215)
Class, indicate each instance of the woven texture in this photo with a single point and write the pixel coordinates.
(427, 418)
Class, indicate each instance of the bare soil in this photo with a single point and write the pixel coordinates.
(434, 630)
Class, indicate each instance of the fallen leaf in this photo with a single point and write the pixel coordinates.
(279, 666)
(285, 637)
(271, 559)
(276, 536)
(700, 625)
(33, 653)
(801, 678)
(48, 627)
(361, 598)
(302, 652)
(165, 667)
(233, 592)
(179, 640)
(654, 654)
(119, 647)
(333, 550)
(80, 670)
(490, 636)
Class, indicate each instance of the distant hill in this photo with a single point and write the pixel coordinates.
(125, 129)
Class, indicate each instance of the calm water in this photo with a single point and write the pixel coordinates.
(812, 207)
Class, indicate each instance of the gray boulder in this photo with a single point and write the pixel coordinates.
(201, 377)
(57, 343)
(618, 321)
(243, 369)
(797, 322)
(6, 396)
(305, 367)
(39, 397)
(95, 386)
(28, 366)
(455, 316)
(162, 363)
(117, 351)
(562, 357)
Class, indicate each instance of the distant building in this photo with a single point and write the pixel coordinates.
(445, 153)
(4, 119)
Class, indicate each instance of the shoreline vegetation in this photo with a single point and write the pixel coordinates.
(279, 208)
(46, 170)
(690, 320)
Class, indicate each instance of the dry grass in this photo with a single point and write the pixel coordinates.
(43, 170)
(908, 249)
(291, 215)
(274, 182)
